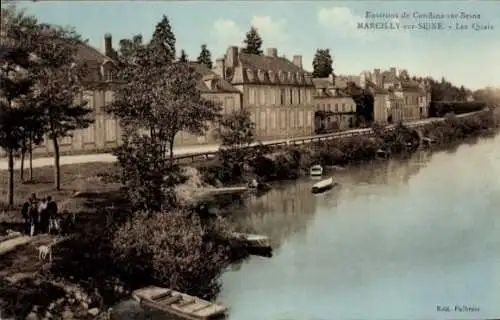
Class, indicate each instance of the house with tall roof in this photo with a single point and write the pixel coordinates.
(277, 92)
(105, 132)
(334, 108)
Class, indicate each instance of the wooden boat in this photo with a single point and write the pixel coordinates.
(427, 140)
(323, 185)
(316, 170)
(382, 153)
(178, 304)
(254, 243)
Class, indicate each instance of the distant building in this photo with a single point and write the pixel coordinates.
(335, 110)
(397, 96)
(277, 92)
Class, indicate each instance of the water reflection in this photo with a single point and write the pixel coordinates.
(281, 212)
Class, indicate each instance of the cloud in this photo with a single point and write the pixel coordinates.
(343, 23)
(226, 32)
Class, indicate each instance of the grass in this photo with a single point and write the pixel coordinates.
(86, 177)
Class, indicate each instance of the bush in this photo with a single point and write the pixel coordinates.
(441, 108)
(174, 249)
(148, 176)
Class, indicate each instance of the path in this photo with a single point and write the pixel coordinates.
(108, 157)
(11, 244)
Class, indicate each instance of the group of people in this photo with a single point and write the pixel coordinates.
(40, 215)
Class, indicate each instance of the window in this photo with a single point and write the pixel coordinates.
(292, 119)
(301, 119)
(343, 107)
(229, 103)
(299, 92)
(252, 99)
(262, 122)
(282, 97)
(89, 97)
(406, 100)
(272, 119)
(309, 119)
(283, 119)
(337, 107)
(89, 135)
(329, 107)
(110, 130)
(262, 96)
(291, 96)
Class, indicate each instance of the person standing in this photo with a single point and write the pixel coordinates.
(26, 217)
(42, 216)
(52, 214)
(33, 214)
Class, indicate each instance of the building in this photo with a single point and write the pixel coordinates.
(105, 133)
(397, 96)
(334, 109)
(277, 92)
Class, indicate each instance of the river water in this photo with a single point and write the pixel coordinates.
(398, 240)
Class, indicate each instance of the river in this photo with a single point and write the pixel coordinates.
(398, 240)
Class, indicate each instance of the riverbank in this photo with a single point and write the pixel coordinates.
(291, 162)
(105, 225)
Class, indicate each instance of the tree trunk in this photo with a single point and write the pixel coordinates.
(30, 150)
(57, 169)
(23, 153)
(11, 177)
(171, 149)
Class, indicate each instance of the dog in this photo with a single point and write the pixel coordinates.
(45, 251)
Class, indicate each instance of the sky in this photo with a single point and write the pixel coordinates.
(469, 57)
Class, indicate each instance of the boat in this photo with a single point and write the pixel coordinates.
(428, 141)
(323, 185)
(255, 244)
(316, 170)
(178, 304)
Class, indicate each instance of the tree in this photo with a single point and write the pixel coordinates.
(162, 102)
(163, 43)
(16, 59)
(59, 81)
(34, 132)
(184, 57)
(205, 57)
(253, 42)
(322, 63)
(236, 129)
(128, 46)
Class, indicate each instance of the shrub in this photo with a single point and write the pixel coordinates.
(173, 249)
(148, 176)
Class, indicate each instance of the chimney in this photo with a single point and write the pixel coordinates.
(272, 52)
(220, 69)
(297, 61)
(393, 72)
(231, 57)
(378, 80)
(107, 45)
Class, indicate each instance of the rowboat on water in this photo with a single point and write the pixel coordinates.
(323, 185)
(316, 170)
(179, 304)
(254, 243)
